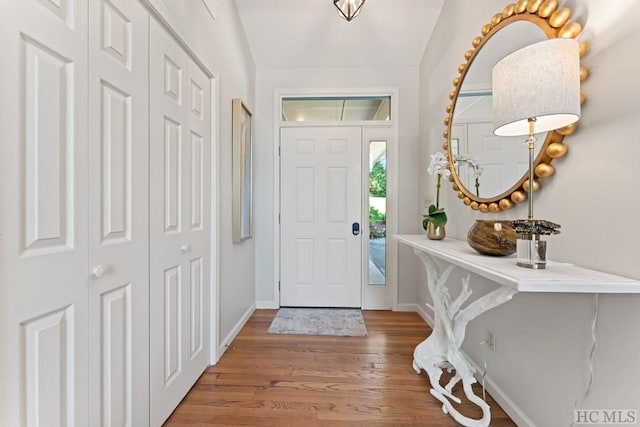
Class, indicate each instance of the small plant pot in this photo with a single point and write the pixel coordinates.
(435, 232)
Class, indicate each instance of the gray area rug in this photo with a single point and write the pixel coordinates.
(345, 322)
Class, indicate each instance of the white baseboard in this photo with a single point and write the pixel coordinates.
(226, 342)
(266, 305)
(408, 307)
(416, 308)
(505, 402)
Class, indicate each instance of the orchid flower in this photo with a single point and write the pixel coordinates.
(437, 166)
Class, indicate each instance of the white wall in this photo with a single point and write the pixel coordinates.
(270, 79)
(223, 45)
(543, 341)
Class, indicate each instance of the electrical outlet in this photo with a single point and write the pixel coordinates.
(491, 341)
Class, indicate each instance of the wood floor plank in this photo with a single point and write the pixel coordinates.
(295, 380)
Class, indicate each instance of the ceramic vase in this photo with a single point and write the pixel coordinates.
(491, 237)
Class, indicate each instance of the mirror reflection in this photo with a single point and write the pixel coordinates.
(488, 165)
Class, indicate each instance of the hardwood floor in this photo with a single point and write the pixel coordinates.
(299, 380)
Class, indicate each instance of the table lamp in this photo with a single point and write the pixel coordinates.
(536, 89)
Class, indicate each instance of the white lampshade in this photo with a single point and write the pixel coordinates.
(349, 9)
(540, 81)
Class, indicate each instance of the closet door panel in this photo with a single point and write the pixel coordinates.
(118, 213)
(198, 212)
(168, 240)
(172, 182)
(43, 220)
(47, 139)
(179, 226)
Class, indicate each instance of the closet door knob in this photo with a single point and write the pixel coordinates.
(98, 271)
(185, 248)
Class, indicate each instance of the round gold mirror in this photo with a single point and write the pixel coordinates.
(490, 173)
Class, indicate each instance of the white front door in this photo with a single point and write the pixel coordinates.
(321, 216)
(118, 214)
(496, 155)
(180, 171)
(43, 219)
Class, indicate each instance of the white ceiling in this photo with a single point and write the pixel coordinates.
(309, 33)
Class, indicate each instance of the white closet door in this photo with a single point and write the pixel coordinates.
(118, 214)
(197, 221)
(43, 223)
(179, 221)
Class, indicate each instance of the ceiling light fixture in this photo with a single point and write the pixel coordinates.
(348, 9)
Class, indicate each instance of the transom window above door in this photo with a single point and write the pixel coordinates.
(336, 109)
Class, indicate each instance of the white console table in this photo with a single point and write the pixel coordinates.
(441, 350)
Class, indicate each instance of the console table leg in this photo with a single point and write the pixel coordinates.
(441, 350)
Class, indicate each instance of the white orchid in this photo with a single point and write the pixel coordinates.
(435, 214)
(473, 164)
(438, 165)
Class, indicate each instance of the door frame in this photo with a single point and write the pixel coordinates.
(368, 128)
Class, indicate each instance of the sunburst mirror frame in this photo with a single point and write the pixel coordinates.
(554, 22)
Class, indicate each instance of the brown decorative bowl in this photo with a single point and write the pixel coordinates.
(491, 237)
